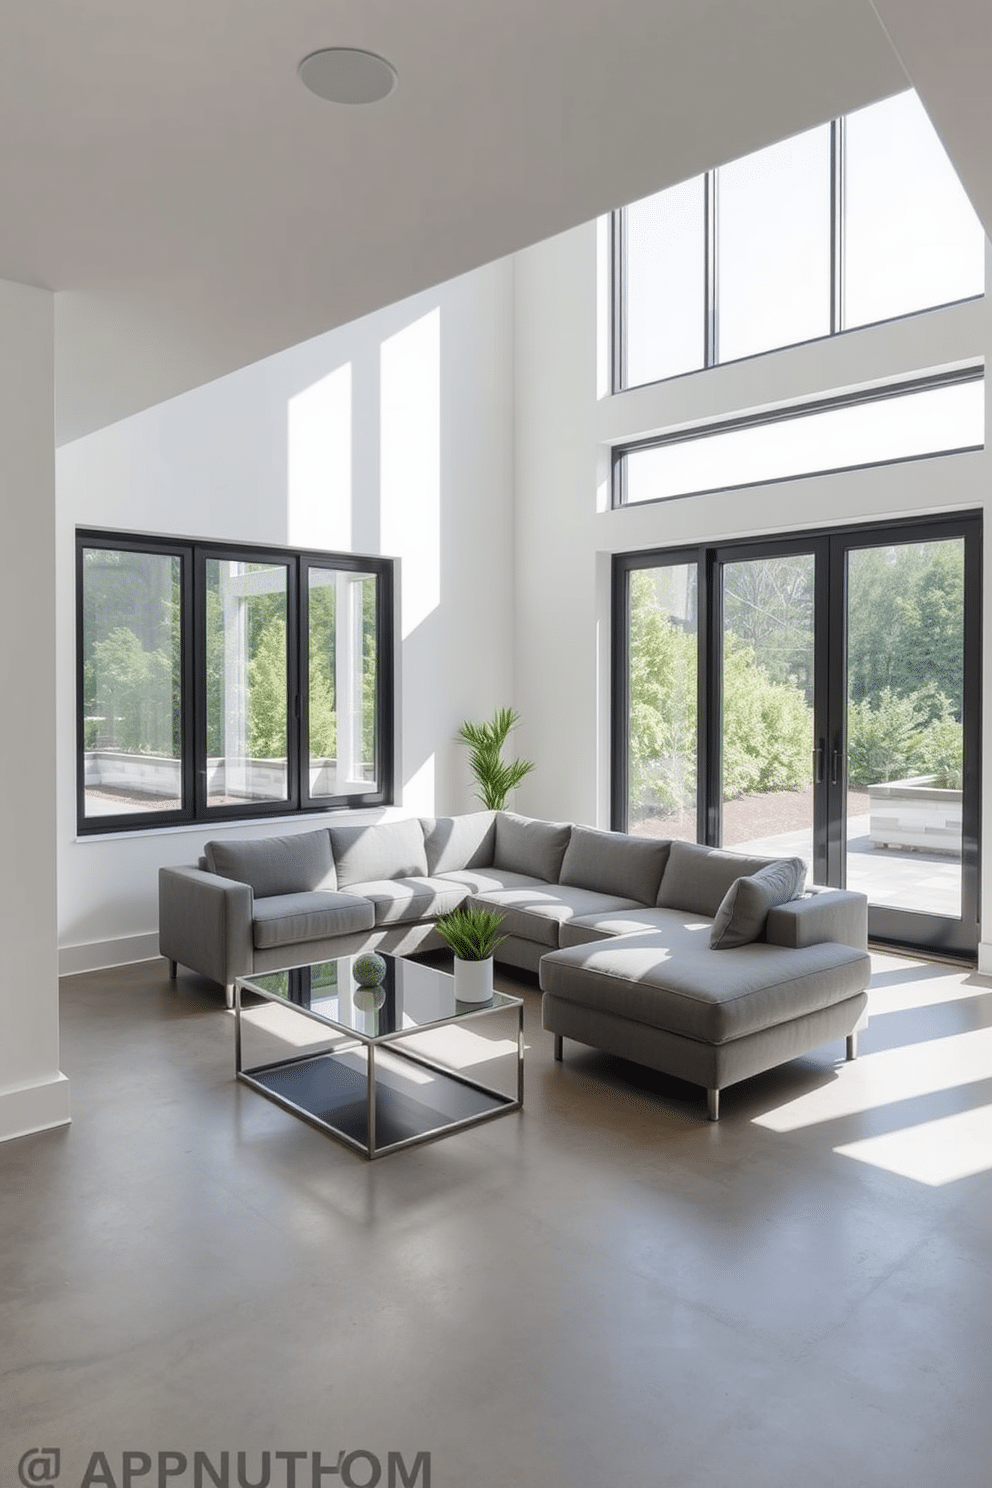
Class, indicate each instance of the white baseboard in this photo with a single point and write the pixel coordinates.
(100, 954)
(34, 1108)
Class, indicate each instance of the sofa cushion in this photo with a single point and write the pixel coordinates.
(615, 863)
(367, 854)
(453, 842)
(696, 878)
(668, 923)
(400, 901)
(276, 865)
(744, 909)
(689, 989)
(537, 912)
(486, 880)
(291, 919)
(526, 845)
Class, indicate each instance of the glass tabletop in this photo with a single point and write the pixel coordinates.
(410, 996)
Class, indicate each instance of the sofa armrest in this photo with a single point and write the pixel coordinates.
(822, 914)
(204, 922)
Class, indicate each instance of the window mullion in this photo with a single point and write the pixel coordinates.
(710, 300)
(618, 293)
(838, 152)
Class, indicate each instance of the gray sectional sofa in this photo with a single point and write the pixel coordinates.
(705, 964)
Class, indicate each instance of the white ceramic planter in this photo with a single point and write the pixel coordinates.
(474, 980)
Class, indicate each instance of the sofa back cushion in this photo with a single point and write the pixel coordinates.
(526, 845)
(456, 842)
(615, 863)
(276, 865)
(697, 878)
(743, 911)
(363, 854)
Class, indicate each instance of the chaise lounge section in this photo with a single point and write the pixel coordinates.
(704, 964)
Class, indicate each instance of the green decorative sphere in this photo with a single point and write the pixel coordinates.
(369, 970)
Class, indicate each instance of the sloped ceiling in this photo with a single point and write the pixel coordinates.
(947, 51)
(195, 208)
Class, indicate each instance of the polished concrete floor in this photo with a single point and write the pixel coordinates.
(602, 1290)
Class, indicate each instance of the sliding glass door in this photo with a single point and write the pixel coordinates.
(909, 737)
(835, 713)
(768, 693)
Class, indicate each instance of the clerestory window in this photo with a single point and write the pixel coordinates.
(857, 221)
(218, 681)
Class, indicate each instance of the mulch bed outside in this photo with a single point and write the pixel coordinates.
(751, 816)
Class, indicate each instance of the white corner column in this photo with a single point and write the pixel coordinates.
(34, 1094)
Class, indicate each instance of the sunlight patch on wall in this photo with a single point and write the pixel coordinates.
(877, 1080)
(419, 790)
(410, 462)
(935, 1152)
(319, 463)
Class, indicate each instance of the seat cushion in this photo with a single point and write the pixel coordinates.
(400, 901)
(290, 919)
(276, 865)
(454, 842)
(485, 880)
(378, 850)
(744, 908)
(696, 878)
(537, 912)
(526, 845)
(669, 923)
(689, 989)
(615, 863)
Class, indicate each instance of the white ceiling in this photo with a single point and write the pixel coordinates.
(195, 208)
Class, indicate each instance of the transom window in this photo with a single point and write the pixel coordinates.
(227, 681)
(943, 414)
(857, 221)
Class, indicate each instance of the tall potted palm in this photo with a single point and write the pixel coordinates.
(494, 776)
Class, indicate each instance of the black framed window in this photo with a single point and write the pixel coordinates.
(852, 223)
(819, 696)
(219, 681)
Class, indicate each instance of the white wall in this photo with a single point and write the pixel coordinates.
(565, 531)
(33, 1092)
(392, 435)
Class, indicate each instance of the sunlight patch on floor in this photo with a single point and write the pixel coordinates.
(460, 1048)
(935, 1152)
(893, 1075)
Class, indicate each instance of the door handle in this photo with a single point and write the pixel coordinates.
(835, 767)
(819, 754)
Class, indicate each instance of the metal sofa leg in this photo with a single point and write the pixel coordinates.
(713, 1105)
(852, 1045)
(229, 994)
(173, 969)
(559, 1046)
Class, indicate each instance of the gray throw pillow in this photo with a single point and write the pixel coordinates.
(741, 917)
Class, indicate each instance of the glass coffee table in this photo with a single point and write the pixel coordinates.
(394, 1073)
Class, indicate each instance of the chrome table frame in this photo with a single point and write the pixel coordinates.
(353, 1039)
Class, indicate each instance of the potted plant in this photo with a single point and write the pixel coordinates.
(496, 777)
(473, 935)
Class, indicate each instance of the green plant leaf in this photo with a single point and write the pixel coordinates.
(472, 932)
(494, 776)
